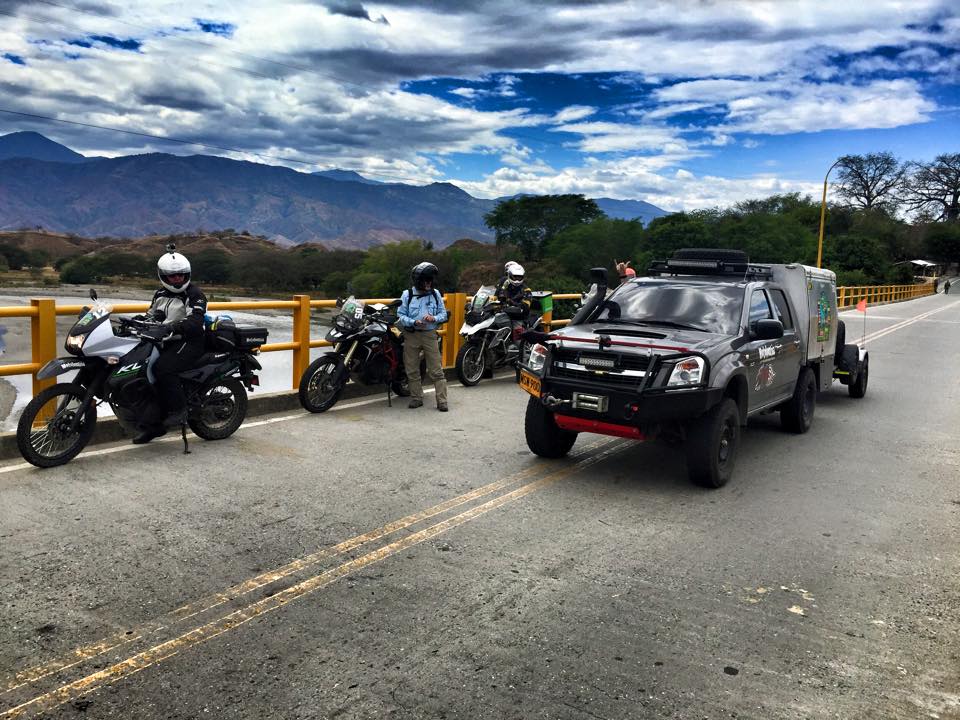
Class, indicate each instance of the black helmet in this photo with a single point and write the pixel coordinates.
(423, 272)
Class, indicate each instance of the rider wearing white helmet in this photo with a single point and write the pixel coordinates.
(181, 306)
(513, 290)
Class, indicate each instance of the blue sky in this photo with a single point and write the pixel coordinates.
(685, 104)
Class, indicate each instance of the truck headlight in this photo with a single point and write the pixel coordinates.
(538, 357)
(74, 343)
(688, 371)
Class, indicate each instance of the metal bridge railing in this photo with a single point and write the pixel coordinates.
(43, 312)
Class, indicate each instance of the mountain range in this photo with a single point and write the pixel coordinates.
(43, 183)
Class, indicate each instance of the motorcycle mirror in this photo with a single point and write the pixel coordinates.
(93, 294)
(339, 302)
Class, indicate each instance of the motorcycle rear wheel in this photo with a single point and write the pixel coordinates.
(43, 435)
(319, 391)
(471, 364)
(223, 407)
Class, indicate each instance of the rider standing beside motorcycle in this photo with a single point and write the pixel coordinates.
(420, 313)
(180, 306)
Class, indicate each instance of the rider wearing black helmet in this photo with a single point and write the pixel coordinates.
(420, 313)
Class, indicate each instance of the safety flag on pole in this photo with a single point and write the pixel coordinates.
(862, 306)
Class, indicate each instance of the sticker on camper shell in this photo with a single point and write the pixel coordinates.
(823, 318)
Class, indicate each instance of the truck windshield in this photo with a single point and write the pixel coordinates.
(711, 308)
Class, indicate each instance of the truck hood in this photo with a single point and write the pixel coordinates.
(641, 338)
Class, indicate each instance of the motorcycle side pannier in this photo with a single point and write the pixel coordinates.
(222, 335)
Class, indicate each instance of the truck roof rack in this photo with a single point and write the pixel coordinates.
(709, 261)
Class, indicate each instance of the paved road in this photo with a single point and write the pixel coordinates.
(380, 562)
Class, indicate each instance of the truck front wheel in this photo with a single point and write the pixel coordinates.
(544, 438)
(796, 415)
(712, 443)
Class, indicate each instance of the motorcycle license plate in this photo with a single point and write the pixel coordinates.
(530, 383)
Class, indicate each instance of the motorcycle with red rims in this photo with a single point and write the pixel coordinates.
(367, 348)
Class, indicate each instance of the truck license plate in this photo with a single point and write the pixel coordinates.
(530, 383)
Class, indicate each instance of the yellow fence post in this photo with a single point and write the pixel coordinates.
(301, 337)
(456, 304)
(43, 338)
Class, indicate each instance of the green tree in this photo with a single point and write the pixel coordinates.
(211, 265)
(597, 244)
(531, 222)
(870, 181)
(942, 242)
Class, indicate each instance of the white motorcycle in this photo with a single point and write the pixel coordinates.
(488, 337)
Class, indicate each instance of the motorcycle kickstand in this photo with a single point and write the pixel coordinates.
(183, 434)
(389, 401)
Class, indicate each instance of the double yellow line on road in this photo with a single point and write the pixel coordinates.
(220, 625)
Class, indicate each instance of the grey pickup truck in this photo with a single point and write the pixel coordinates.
(688, 353)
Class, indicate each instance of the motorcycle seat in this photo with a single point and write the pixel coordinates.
(209, 358)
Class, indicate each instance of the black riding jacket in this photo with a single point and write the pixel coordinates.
(184, 311)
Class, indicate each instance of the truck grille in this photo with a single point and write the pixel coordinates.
(605, 367)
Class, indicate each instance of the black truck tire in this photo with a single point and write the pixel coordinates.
(712, 444)
(858, 388)
(841, 338)
(796, 415)
(544, 438)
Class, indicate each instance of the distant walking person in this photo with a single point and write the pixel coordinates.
(946, 288)
(420, 313)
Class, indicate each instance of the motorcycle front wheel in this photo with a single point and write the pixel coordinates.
(43, 432)
(320, 387)
(222, 408)
(470, 363)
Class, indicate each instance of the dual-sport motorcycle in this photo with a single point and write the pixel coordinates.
(114, 364)
(368, 348)
(488, 337)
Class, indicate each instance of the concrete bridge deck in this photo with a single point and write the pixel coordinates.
(383, 562)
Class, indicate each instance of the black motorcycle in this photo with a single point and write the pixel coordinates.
(115, 366)
(368, 348)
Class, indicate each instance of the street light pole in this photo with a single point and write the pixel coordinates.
(823, 213)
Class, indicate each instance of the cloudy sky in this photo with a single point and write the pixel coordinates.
(684, 104)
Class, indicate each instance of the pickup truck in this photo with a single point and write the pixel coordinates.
(689, 353)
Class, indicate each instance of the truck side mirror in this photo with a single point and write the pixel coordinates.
(768, 329)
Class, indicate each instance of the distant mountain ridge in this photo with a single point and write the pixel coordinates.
(157, 193)
(36, 146)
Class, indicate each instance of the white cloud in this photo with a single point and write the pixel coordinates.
(573, 113)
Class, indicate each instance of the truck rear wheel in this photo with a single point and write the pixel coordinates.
(712, 444)
(544, 438)
(796, 415)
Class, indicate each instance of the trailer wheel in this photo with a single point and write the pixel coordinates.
(858, 388)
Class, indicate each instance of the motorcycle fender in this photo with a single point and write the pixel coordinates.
(60, 366)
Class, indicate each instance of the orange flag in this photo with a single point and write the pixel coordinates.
(862, 306)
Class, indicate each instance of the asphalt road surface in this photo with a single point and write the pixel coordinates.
(383, 562)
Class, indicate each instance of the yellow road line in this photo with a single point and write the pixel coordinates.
(209, 602)
(214, 628)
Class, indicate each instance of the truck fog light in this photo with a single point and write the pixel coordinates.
(688, 371)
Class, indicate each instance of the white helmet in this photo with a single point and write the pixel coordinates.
(515, 272)
(173, 263)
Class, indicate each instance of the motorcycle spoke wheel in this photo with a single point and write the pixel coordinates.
(319, 388)
(44, 434)
(221, 410)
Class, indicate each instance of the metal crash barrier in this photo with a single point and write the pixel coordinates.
(43, 312)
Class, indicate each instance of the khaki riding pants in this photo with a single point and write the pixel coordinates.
(427, 341)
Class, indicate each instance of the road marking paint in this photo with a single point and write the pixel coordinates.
(877, 334)
(214, 628)
(204, 604)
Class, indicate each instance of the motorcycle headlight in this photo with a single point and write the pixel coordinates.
(75, 343)
(688, 371)
(538, 358)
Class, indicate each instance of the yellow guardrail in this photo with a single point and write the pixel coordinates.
(43, 312)
(879, 294)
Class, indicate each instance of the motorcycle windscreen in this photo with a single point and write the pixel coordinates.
(486, 294)
(351, 314)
